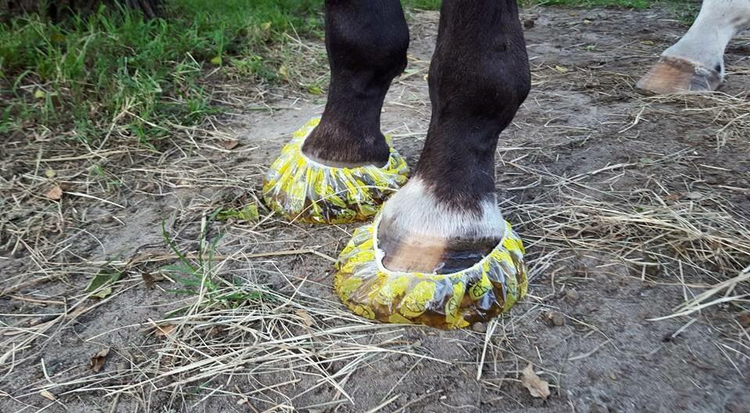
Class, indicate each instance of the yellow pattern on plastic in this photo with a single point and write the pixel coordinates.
(399, 319)
(364, 311)
(416, 301)
(393, 287)
(481, 288)
(452, 307)
(307, 191)
(346, 287)
(448, 301)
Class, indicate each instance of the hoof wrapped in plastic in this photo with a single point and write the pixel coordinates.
(455, 300)
(307, 191)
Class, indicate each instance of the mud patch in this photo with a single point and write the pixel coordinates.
(629, 205)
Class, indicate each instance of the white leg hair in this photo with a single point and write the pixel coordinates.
(704, 44)
(414, 210)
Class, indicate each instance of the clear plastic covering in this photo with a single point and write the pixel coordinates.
(306, 191)
(448, 301)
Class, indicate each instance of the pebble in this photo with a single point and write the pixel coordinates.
(479, 327)
(572, 294)
(106, 219)
(557, 319)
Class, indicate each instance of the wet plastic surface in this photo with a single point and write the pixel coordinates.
(306, 191)
(447, 301)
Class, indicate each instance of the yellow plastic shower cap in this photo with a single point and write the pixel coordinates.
(304, 190)
(455, 300)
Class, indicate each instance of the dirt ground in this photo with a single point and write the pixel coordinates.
(630, 206)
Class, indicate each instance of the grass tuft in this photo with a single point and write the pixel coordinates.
(116, 68)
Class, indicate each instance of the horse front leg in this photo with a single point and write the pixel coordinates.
(441, 252)
(339, 168)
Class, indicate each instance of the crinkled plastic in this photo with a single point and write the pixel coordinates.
(446, 301)
(302, 189)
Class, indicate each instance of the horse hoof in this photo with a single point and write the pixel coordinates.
(674, 75)
(304, 190)
(450, 299)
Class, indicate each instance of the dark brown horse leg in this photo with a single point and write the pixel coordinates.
(366, 42)
(446, 217)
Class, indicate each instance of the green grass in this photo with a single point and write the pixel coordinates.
(199, 276)
(629, 4)
(422, 4)
(114, 67)
(685, 10)
(80, 78)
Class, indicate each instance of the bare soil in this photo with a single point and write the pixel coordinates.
(629, 206)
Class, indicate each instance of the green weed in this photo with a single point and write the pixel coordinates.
(200, 277)
(248, 213)
(422, 4)
(101, 286)
(684, 9)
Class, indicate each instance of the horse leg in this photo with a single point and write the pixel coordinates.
(696, 62)
(340, 168)
(479, 76)
(366, 43)
(445, 221)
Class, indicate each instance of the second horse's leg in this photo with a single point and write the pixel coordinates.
(696, 62)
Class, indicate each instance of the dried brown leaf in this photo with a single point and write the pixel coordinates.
(98, 359)
(55, 193)
(164, 330)
(536, 386)
(230, 143)
(149, 279)
(306, 318)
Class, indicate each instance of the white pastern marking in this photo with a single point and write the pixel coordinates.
(415, 210)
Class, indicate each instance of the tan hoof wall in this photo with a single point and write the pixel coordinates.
(673, 75)
(414, 253)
